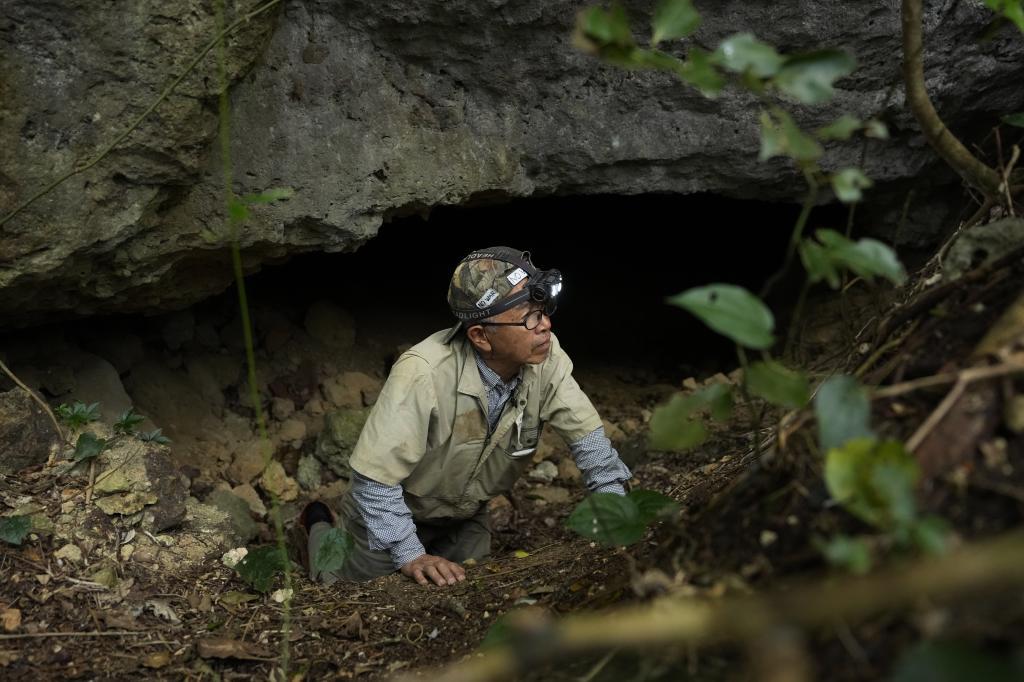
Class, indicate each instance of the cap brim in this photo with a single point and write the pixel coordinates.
(452, 333)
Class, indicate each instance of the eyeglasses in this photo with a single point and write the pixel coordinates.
(532, 318)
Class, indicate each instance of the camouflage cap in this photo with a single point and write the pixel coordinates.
(483, 278)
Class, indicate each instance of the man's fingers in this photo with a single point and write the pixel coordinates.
(417, 574)
(445, 568)
(460, 572)
(435, 575)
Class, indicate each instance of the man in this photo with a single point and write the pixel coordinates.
(456, 424)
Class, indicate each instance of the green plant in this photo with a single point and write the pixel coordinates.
(154, 436)
(89, 447)
(78, 414)
(259, 567)
(615, 520)
(126, 423)
(334, 549)
(13, 529)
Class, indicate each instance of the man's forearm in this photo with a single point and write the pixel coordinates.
(603, 471)
(389, 524)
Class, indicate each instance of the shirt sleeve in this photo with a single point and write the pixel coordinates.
(603, 471)
(394, 438)
(565, 406)
(389, 524)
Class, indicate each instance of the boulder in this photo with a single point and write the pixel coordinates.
(27, 436)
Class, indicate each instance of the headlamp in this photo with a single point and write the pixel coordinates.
(542, 287)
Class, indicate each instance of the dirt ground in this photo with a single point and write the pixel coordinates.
(746, 524)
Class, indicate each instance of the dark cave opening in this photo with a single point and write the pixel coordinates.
(621, 256)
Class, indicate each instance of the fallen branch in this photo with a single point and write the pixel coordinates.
(93, 633)
(983, 567)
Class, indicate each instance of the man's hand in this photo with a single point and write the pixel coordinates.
(427, 567)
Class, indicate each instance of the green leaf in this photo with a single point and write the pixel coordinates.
(732, 311)
(809, 78)
(851, 554)
(1014, 119)
(651, 504)
(778, 385)
(780, 136)
(876, 129)
(742, 52)
(676, 426)
(843, 412)
(499, 634)
(673, 19)
(673, 426)
(931, 661)
(719, 398)
(699, 71)
(259, 566)
(88, 446)
(840, 129)
(1011, 9)
(610, 519)
(13, 529)
(867, 258)
(606, 27)
(269, 196)
(848, 184)
(237, 211)
(930, 535)
(874, 481)
(818, 263)
(154, 436)
(336, 547)
(128, 420)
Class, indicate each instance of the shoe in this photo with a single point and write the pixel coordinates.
(298, 537)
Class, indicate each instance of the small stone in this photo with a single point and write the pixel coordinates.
(1015, 414)
(11, 619)
(545, 472)
(282, 408)
(314, 407)
(126, 552)
(252, 498)
(309, 472)
(768, 538)
(501, 511)
(550, 494)
(282, 595)
(690, 384)
(568, 471)
(292, 430)
(126, 503)
(69, 553)
(233, 556)
(276, 482)
(347, 389)
(106, 576)
(248, 462)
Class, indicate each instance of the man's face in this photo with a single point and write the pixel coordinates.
(519, 345)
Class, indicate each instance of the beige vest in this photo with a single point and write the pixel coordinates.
(428, 429)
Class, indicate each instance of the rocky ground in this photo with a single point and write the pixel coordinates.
(123, 573)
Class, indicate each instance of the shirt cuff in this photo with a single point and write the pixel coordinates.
(611, 487)
(404, 551)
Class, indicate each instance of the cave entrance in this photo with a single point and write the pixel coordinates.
(621, 256)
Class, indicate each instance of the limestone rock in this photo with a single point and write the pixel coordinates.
(309, 472)
(568, 471)
(352, 389)
(237, 510)
(97, 381)
(546, 471)
(332, 326)
(69, 552)
(336, 442)
(282, 408)
(252, 498)
(248, 462)
(550, 494)
(276, 482)
(133, 475)
(291, 430)
(982, 244)
(27, 436)
(502, 512)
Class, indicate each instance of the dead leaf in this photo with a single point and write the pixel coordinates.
(352, 628)
(162, 609)
(222, 647)
(234, 598)
(119, 620)
(157, 659)
(11, 619)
